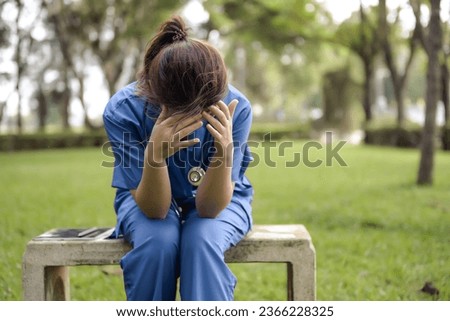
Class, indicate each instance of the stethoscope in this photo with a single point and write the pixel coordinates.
(195, 175)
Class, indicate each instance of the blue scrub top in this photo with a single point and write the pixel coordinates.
(129, 120)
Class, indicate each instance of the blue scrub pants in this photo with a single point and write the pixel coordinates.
(188, 247)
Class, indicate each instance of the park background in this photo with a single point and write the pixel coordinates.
(374, 73)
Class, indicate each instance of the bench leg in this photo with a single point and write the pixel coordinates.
(50, 283)
(290, 280)
(302, 277)
(57, 284)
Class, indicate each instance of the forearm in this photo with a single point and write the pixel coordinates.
(153, 195)
(216, 190)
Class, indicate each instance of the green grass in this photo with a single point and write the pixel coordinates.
(378, 236)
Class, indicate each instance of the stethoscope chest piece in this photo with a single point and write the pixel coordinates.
(195, 175)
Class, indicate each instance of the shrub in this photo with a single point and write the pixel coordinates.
(97, 138)
(408, 136)
(446, 137)
(55, 140)
(279, 131)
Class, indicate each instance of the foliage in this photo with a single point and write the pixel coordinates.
(274, 50)
(446, 138)
(409, 135)
(279, 131)
(67, 139)
(377, 235)
(55, 140)
(76, 38)
(284, 22)
(339, 94)
(360, 35)
(112, 30)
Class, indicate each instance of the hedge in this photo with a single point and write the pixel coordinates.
(274, 131)
(55, 140)
(394, 136)
(408, 136)
(446, 137)
(279, 131)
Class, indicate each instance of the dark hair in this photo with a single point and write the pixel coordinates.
(186, 75)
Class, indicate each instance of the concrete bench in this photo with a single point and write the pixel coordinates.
(46, 259)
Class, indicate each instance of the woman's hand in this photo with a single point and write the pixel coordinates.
(216, 190)
(168, 135)
(220, 125)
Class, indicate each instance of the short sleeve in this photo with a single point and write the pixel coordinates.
(242, 121)
(127, 145)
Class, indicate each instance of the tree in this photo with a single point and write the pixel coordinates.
(431, 38)
(399, 78)
(446, 77)
(4, 41)
(338, 94)
(361, 37)
(20, 63)
(277, 37)
(103, 33)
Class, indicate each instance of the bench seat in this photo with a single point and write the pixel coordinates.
(46, 259)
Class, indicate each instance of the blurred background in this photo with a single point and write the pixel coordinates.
(374, 73)
(330, 64)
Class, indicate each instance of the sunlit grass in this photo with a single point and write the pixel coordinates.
(377, 235)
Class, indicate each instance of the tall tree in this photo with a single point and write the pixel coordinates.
(261, 30)
(4, 41)
(104, 33)
(399, 77)
(432, 41)
(446, 76)
(114, 31)
(20, 64)
(22, 50)
(361, 37)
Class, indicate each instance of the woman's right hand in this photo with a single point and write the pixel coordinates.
(168, 135)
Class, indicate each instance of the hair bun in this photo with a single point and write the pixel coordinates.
(171, 31)
(174, 29)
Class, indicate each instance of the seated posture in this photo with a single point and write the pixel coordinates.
(179, 136)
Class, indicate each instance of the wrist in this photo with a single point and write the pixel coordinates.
(219, 159)
(156, 163)
(154, 160)
(224, 153)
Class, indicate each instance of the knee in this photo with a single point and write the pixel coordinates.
(159, 244)
(203, 238)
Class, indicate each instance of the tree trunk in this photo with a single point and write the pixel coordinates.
(445, 100)
(434, 46)
(65, 106)
(399, 79)
(400, 100)
(2, 108)
(368, 94)
(337, 99)
(87, 121)
(445, 92)
(41, 109)
(19, 65)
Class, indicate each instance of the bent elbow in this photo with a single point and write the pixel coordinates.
(210, 210)
(208, 213)
(151, 209)
(156, 214)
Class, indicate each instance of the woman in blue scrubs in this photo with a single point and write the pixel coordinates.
(179, 136)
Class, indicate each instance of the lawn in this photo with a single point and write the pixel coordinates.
(377, 235)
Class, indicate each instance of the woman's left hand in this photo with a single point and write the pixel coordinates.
(220, 125)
